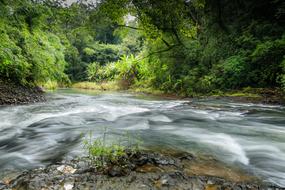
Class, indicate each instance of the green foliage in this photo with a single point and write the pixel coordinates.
(184, 47)
(101, 53)
(50, 85)
(124, 70)
(102, 85)
(13, 65)
(46, 54)
(127, 67)
(234, 70)
(101, 153)
(92, 71)
(282, 76)
(29, 55)
(99, 73)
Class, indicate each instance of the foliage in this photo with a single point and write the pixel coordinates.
(43, 41)
(99, 73)
(184, 47)
(125, 70)
(100, 153)
(108, 85)
(201, 46)
(50, 85)
(13, 64)
(28, 54)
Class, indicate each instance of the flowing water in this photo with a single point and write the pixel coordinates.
(251, 136)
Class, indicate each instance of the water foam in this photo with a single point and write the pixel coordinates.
(219, 142)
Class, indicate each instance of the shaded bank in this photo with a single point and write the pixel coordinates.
(13, 94)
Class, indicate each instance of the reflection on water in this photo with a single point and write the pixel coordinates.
(249, 135)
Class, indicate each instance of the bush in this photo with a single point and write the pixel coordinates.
(99, 73)
(234, 71)
(127, 70)
(31, 58)
(101, 53)
(282, 75)
(13, 65)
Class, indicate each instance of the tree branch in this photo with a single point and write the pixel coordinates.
(161, 51)
(165, 42)
(126, 26)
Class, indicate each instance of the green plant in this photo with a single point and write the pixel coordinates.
(101, 154)
(92, 71)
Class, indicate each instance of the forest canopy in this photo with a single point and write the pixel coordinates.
(180, 46)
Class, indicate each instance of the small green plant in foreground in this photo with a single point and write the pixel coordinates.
(101, 154)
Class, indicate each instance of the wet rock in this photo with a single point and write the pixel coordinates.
(68, 186)
(214, 180)
(2, 185)
(159, 172)
(166, 180)
(141, 160)
(66, 169)
(12, 94)
(197, 184)
(165, 161)
(186, 156)
(116, 171)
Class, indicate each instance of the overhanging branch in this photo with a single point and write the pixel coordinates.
(126, 26)
(161, 51)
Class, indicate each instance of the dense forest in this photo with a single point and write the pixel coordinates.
(177, 46)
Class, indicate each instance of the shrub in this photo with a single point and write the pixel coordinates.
(127, 70)
(233, 72)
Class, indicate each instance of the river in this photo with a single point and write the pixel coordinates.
(250, 136)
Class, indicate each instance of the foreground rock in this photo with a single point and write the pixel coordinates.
(147, 171)
(11, 94)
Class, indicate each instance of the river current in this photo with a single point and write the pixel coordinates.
(250, 136)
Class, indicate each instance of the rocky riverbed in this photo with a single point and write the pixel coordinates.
(143, 170)
(12, 94)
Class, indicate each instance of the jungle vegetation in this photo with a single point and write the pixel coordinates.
(178, 46)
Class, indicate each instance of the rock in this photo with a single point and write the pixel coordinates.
(2, 185)
(12, 93)
(197, 184)
(166, 180)
(66, 169)
(160, 172)
(142, 160)
(68, 186)
(186, 156)
(115, 171)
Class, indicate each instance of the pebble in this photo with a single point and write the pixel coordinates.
(68, 186)
(66, 169)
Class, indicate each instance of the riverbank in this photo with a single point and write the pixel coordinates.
(15, 94)
(142, 170)
(249, 95)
